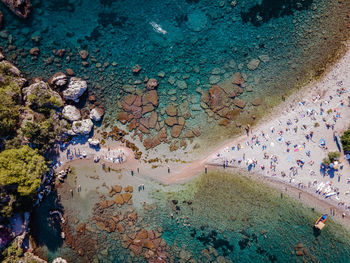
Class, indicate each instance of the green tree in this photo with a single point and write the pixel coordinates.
(23, 169)
(333, 156)
(345, 140)
(41, 134)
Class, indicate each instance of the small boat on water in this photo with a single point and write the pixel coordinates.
(320, 223)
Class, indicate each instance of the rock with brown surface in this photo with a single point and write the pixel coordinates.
(142, 234)
(237, 79)
(150, 97)
(239, 103)
(144, 129)
(129, 99)
(81, 229)
(171, 121)
(205, 97)
(147, 108)
(147, 244)
(119, 199)
(188, 134)
(176, 131)
(162, 135)
(174, 146)
(120, 228)
(171, 111)
(148, 143)
(19, 7)
(196, 132)
(218, 97)
(183, 144)
(123, 117)
(152, 121)
(224, 122)
(84, 54)
(136, 69)
(133, 125)
(232, 114)
(127, 197)
(152, 84)
(35, 51)
(257, 101)
(129, 189)
(137, 250)
(238, 90)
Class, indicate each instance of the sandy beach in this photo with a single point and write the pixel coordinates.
(286, 147)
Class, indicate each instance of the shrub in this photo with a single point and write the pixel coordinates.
(22, 168)
(316, 124)
(333, 156)
(326, 161)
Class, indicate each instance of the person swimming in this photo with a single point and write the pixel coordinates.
(157, 28)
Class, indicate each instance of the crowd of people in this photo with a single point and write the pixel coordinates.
(293, 147)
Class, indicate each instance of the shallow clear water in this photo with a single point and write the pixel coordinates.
(234, 216)
(206, 42)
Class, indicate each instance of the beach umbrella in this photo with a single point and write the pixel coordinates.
(272, 144)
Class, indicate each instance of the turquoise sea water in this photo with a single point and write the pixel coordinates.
(231, 216)
(206, 42)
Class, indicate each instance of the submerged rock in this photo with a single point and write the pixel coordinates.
(71, 113)
(253, 64)
(20, 7)
(76, 88)
(197, 21)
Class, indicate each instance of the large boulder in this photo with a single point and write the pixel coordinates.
(19, 7)
(39, 95)
(218, 98)
(71, 113)
(59, 80)
(76, 88)
(83, 127)
(96, 114)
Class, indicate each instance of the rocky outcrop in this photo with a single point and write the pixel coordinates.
(83, 127)
(71, 113)
(20, 7)
(59, 80)
(76, 88)
(96, 114)
(39, 95)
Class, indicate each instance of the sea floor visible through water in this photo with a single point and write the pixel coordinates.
(277, 46)
(216, 216)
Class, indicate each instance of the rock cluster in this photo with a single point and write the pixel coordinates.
(19, 7)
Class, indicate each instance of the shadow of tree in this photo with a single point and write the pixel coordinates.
(268, 9)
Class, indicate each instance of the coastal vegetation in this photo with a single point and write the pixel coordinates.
(345, 140)
(331, 158)
(20, 176)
